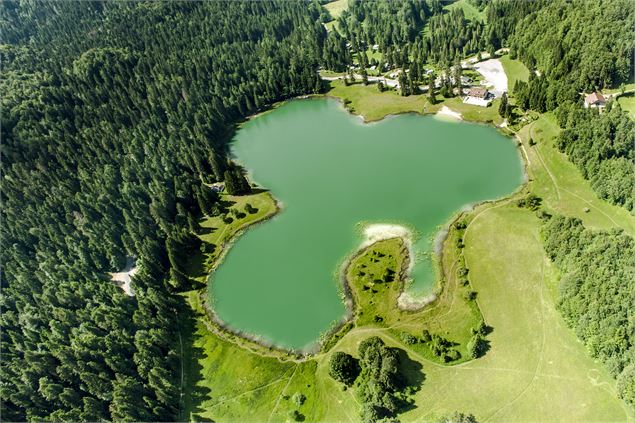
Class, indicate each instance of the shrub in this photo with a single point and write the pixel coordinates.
(298, 398)
(408, 339)
(344, 368)
(470, 295)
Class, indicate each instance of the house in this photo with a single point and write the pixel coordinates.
(479, 92)
(595, 99)
(478, 96)
(217, 186)
(375, 47)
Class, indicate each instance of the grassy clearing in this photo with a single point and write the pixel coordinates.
(627, 103)
(515, 71)
(373, 105)
(368, 102)
(375, 281)
(216, 233)
(559, 183)
(471, 12)
(475, 113)
(335, 9)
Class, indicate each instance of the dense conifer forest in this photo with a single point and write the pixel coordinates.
(115, 116)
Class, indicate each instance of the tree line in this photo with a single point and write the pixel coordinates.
(597, 293)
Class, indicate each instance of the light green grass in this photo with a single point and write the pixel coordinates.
(373, 105)
(451, 315)
(515, 71)
(335, 9)
(561, 186)
(475, 113)
(216, 233)
(471, 12)
(627, 103)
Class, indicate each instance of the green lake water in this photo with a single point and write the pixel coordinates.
(330, 171)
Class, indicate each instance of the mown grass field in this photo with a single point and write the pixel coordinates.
(515, 71)
(335, 9)
(376, 286)
(627, 102)
(559, 183)
(471, 12)
(373, 105)
(535, 369)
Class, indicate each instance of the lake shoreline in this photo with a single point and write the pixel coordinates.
(404, 303)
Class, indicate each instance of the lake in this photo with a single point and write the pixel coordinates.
(332, 173)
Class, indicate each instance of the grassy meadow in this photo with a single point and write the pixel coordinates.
(627, 103)
(335, 9)
(515, 71)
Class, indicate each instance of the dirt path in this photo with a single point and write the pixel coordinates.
(282, 393)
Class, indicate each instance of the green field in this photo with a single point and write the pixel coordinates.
(627, 103)
(471, 12)
(335, 9)
(535, 369)
(373, 105)
(561, 186)
(515, 71)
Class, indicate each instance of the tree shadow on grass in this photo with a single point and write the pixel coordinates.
(193, 395)
(412, 379)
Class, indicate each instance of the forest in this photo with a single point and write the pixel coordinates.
(110, 132)
(596, 293)
(601, 145)
(116, 116)
(569, 47)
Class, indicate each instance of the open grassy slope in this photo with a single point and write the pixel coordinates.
(335, 9)
(515, 71)
(561, 186)
(372, 105)
(471, 12)
(627, 102)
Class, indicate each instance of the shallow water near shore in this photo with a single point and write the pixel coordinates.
(280, 281)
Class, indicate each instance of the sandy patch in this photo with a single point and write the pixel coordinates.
(380, 231)
(494, 75)
(377, 232)
(408, 302)
(446, 112)
(123, 278)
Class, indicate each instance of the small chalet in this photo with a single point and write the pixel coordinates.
(479, 92)
(217, 186)
(478, 96)
(595, 99)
